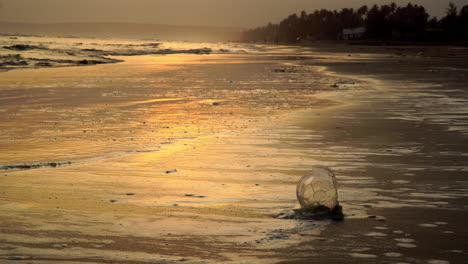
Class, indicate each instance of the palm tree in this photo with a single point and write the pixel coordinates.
(451, 10)
(362, 10)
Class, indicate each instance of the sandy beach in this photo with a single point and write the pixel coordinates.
(194, 158)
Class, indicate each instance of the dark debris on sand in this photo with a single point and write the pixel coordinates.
(35, 166)
(319, 213)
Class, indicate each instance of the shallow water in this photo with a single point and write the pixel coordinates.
(68, 114)
(189, 157)
(158, 148)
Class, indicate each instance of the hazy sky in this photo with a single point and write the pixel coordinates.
(237, 13)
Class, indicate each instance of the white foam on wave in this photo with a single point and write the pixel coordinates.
(37, 52)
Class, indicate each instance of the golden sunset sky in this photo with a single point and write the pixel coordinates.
(232, 13)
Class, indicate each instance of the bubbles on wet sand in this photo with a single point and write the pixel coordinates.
(406, 245)
(427, 225)
(405, 240)
(376, 234)
(438, 261)
(362, 255)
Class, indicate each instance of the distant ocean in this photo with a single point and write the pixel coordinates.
(32, 52)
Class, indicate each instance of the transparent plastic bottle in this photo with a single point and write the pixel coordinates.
(318, 189)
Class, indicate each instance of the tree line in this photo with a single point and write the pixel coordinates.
(385, 22)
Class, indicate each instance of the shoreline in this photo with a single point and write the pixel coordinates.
(224, 201)
(410, 165)
(260, 165)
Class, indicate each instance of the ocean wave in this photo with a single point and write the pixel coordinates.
(136, 52)
(37, 52)
(22, 47)
(49, 54)
(14, 61)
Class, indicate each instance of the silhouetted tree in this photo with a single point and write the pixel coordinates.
(464, 14)
(289, 29)
(463, 20)
(384, 22)
(378, 21)
(450, 23)
(362, 11)
(410, 22)
(433, 23)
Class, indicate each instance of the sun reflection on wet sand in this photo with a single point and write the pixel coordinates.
(192, 156)
(152, 146)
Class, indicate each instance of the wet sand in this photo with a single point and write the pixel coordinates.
(189, 158)
(403, 154)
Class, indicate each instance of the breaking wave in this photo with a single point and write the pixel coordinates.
(36, 52)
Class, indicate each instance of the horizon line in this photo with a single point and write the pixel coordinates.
(128, 23)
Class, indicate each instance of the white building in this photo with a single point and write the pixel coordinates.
(353, 33)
